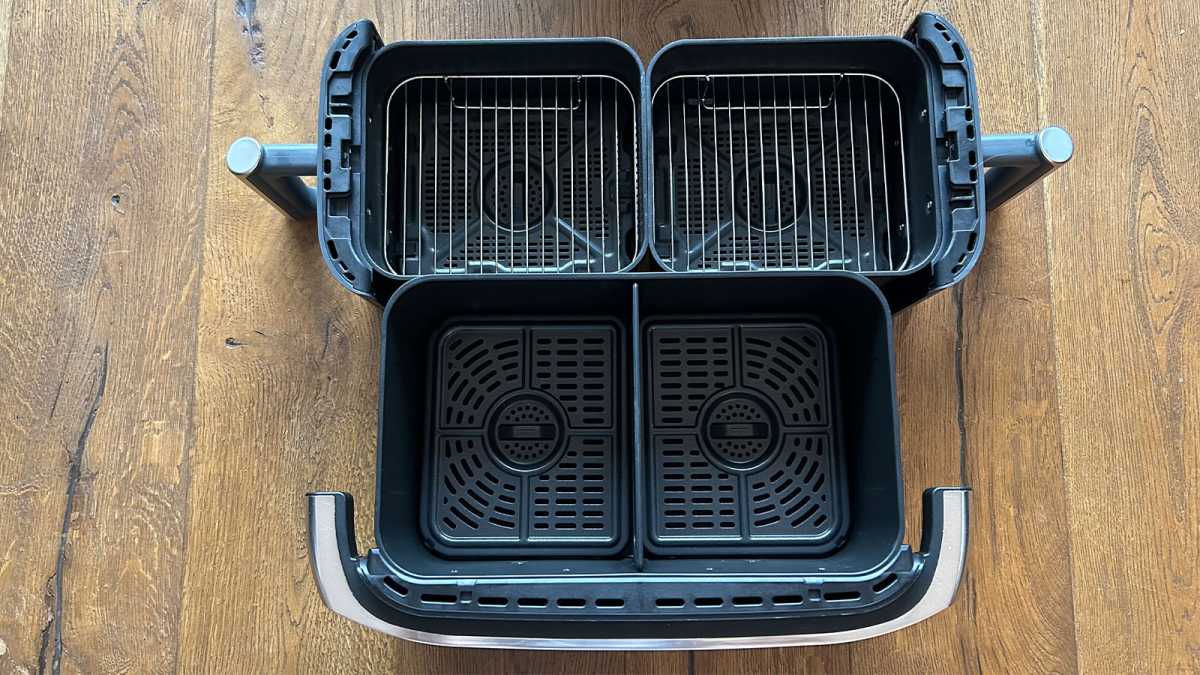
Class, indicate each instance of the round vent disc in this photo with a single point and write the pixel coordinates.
(526, 432)
(740, 430)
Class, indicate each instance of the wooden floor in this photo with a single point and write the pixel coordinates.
(178, 368)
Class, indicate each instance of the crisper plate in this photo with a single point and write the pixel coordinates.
(527, 457)
(743, 447)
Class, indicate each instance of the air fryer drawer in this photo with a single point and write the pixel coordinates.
(709, 447)
(663, 425)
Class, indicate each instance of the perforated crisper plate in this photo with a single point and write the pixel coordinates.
(743, 440)
(526, 457)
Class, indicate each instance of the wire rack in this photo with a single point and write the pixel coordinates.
(780, 171)
(520, 173)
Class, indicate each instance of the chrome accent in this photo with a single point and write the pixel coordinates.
(335, 591)
(274, 171)
(1016, 161)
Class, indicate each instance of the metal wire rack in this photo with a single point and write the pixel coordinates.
(521, 173)
(780, 171)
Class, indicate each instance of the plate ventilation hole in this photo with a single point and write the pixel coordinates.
(478, 368)
(474, 496)
(575, 368)
(688, 370)
(580, 203)
(696, 497)
(791, 495)
(572, 498)
(789, 369)
(838, 194)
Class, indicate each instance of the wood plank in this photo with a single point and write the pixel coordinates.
(5, 22)
(1013, 438)
(1009, 613)
(1126, 281)
(102, 212)
(927, 337)
(285, 378)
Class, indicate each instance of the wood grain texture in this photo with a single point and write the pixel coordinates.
(1010, 399)
(179, 368)
(285, 399)
(5, 21)
(103, 211)
(1125, 277)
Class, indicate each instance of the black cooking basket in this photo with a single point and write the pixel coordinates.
(709, 448)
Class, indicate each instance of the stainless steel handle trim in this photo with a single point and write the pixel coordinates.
(1017, 161)
(949, 561)
(274, 171)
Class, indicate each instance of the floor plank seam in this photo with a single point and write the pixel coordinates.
(959, 383)
(74, 473)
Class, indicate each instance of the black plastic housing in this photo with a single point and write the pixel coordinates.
(352, 132)
(541, 613)
(933, 78)
(931, 69)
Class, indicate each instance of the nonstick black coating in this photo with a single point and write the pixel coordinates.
(840, 321)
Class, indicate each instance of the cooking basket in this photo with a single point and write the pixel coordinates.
(538, 479)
